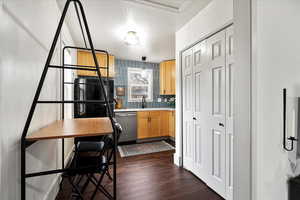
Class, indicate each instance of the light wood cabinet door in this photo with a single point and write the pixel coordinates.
(155, 123)
(86, 58)
(164, 128)
(162, 77)
(173, 77)
(102, 59)
(167, 77)
(143, 123)
(149, 124)
(168, 84)
(171, 123)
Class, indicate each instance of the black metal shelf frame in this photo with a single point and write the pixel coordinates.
(24, 143)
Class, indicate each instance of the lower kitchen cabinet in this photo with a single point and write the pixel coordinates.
(171, 124)
(148, 124)
(155, 123)
(143, 125)
(152, 124)
(164, 128)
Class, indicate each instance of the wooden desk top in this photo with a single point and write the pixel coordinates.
(70, 128)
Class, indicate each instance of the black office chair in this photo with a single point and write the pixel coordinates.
(88, 162)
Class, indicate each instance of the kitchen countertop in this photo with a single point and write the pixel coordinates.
(141, 109)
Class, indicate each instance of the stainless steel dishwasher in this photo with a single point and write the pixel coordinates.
(129, 125)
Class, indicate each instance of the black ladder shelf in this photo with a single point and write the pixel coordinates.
(25, 143)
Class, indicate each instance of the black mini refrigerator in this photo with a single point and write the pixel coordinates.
(88, 88)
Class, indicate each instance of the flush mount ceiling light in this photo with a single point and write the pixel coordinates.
(131, 38)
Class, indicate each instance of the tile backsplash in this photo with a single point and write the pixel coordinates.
(121, 79)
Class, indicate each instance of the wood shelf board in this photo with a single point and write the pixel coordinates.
(70, 128)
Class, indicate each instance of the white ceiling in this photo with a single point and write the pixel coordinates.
(175, 3)
(155, 22)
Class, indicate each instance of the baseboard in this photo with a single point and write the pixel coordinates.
(54, 187)
(152, 139)
(172, 138)
(155, 139)
(177, 160)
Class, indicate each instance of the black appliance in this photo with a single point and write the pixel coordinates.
(87, 88)
(294, 188)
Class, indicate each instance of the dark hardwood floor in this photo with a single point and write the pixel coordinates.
(151, 177)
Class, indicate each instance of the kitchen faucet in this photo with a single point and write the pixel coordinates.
(143, 101)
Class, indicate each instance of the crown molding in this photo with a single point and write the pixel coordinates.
(155, 4)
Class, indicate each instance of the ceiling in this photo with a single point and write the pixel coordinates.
(174, 3)
(155, 22)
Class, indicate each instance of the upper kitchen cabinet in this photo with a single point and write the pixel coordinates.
(167, 77)
(86, 58)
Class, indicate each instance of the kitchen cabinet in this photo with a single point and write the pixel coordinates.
(171, 120)
(143, 125)
(148, 124)
(165, 123)
(168, 123)
(86, 58)
(153, 124)
(167, 77)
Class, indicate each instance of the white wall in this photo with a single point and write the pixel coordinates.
(217, 14)
(26, 31)
(277, 65)
(242, 176)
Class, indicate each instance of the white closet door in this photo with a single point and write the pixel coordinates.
(229, 111)
(216, 134)
(188, 110)
(200, 95)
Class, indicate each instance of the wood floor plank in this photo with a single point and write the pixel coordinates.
(151, 177)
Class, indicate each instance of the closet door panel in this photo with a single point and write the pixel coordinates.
(208, 78)
(188, 107)
(216, 153)
(200, 110)
(230, 67)
(217, 115)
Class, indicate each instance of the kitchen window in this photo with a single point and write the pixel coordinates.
(140, 83)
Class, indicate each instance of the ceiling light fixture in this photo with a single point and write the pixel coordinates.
(131, 38)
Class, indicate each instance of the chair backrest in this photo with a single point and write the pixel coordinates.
(109, 142)
(106, 152)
